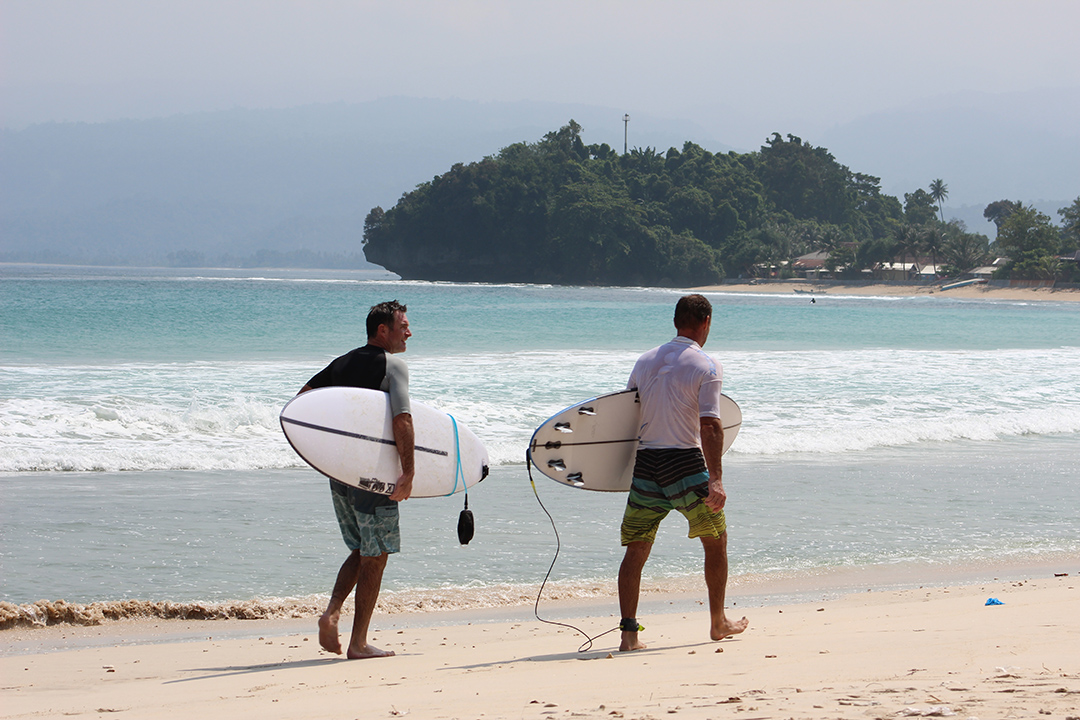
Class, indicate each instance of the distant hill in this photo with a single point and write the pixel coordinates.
(560, 211)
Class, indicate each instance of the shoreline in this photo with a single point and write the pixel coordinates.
(865, 654)
(968, 292)
(93, 624)
(770, 287)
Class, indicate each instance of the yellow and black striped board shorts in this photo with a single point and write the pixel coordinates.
(669, 479)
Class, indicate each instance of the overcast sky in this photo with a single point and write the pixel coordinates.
(811, 62)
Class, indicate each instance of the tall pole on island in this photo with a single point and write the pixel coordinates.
(626, 125)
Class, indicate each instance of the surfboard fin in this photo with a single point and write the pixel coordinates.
(575, 479)
(557, 465)
(586, 411)
(563, 427)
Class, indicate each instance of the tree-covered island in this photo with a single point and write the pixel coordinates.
(559, 211)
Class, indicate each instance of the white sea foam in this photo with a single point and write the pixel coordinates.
(223, 415)
(859, 435)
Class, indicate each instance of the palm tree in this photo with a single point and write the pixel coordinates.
(1047, 268)
(939, 191)
(933, 239)
(964, 250)
(909, 240)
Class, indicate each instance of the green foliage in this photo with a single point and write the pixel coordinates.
(1031, 243)
(909, 240)
(919, 208)
(1070, 227)
(808, 183)
(1034, 265)
(1027, 230)
(565, 212)
(844, 262)
(878, 250)
(963, 250)
(999, 211)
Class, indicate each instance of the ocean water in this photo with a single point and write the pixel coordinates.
(141, 456)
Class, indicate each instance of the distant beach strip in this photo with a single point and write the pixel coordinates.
(969, 292)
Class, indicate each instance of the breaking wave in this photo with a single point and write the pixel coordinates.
(224, 416)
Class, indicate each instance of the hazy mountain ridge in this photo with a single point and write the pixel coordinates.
(244, 180)
(1017, 146)
(241, 181)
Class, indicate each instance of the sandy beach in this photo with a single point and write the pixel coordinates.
(969, 292)
(931, 651)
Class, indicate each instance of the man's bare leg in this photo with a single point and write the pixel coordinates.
(716, 574)
(630, 587)
(328, 623)
(367, 593)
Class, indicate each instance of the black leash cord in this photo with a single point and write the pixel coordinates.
(587, 645)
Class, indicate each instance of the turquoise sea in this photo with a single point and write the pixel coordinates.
(885, 440)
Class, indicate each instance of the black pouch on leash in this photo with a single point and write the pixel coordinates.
(465, 525)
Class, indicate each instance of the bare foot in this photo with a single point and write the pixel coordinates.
(630, 642)
(328, 633)
(367, 651)
(726, 628)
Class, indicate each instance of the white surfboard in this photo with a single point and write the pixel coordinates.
(347, 434)
(592, 444)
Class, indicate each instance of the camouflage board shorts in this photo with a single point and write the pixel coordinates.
(371, 530)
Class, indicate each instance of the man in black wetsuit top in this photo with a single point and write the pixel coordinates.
(369, 521)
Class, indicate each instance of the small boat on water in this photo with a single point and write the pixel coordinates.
(809, 292)
(964, 283)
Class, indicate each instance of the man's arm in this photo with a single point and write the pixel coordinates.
(397, 385)
(405, 441)
(712, 447)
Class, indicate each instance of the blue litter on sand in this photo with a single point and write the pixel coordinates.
(994, 601)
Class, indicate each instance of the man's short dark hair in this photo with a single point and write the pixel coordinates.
(692, 310)
(383, 314)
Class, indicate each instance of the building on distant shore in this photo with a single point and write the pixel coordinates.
(922, 270)
(980, 273)
(811, 266)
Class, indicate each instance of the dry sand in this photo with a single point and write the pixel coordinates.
(983, 292)
(926, 652)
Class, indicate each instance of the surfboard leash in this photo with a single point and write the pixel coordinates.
(587, 645)
(466, 524)
(458, 474)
